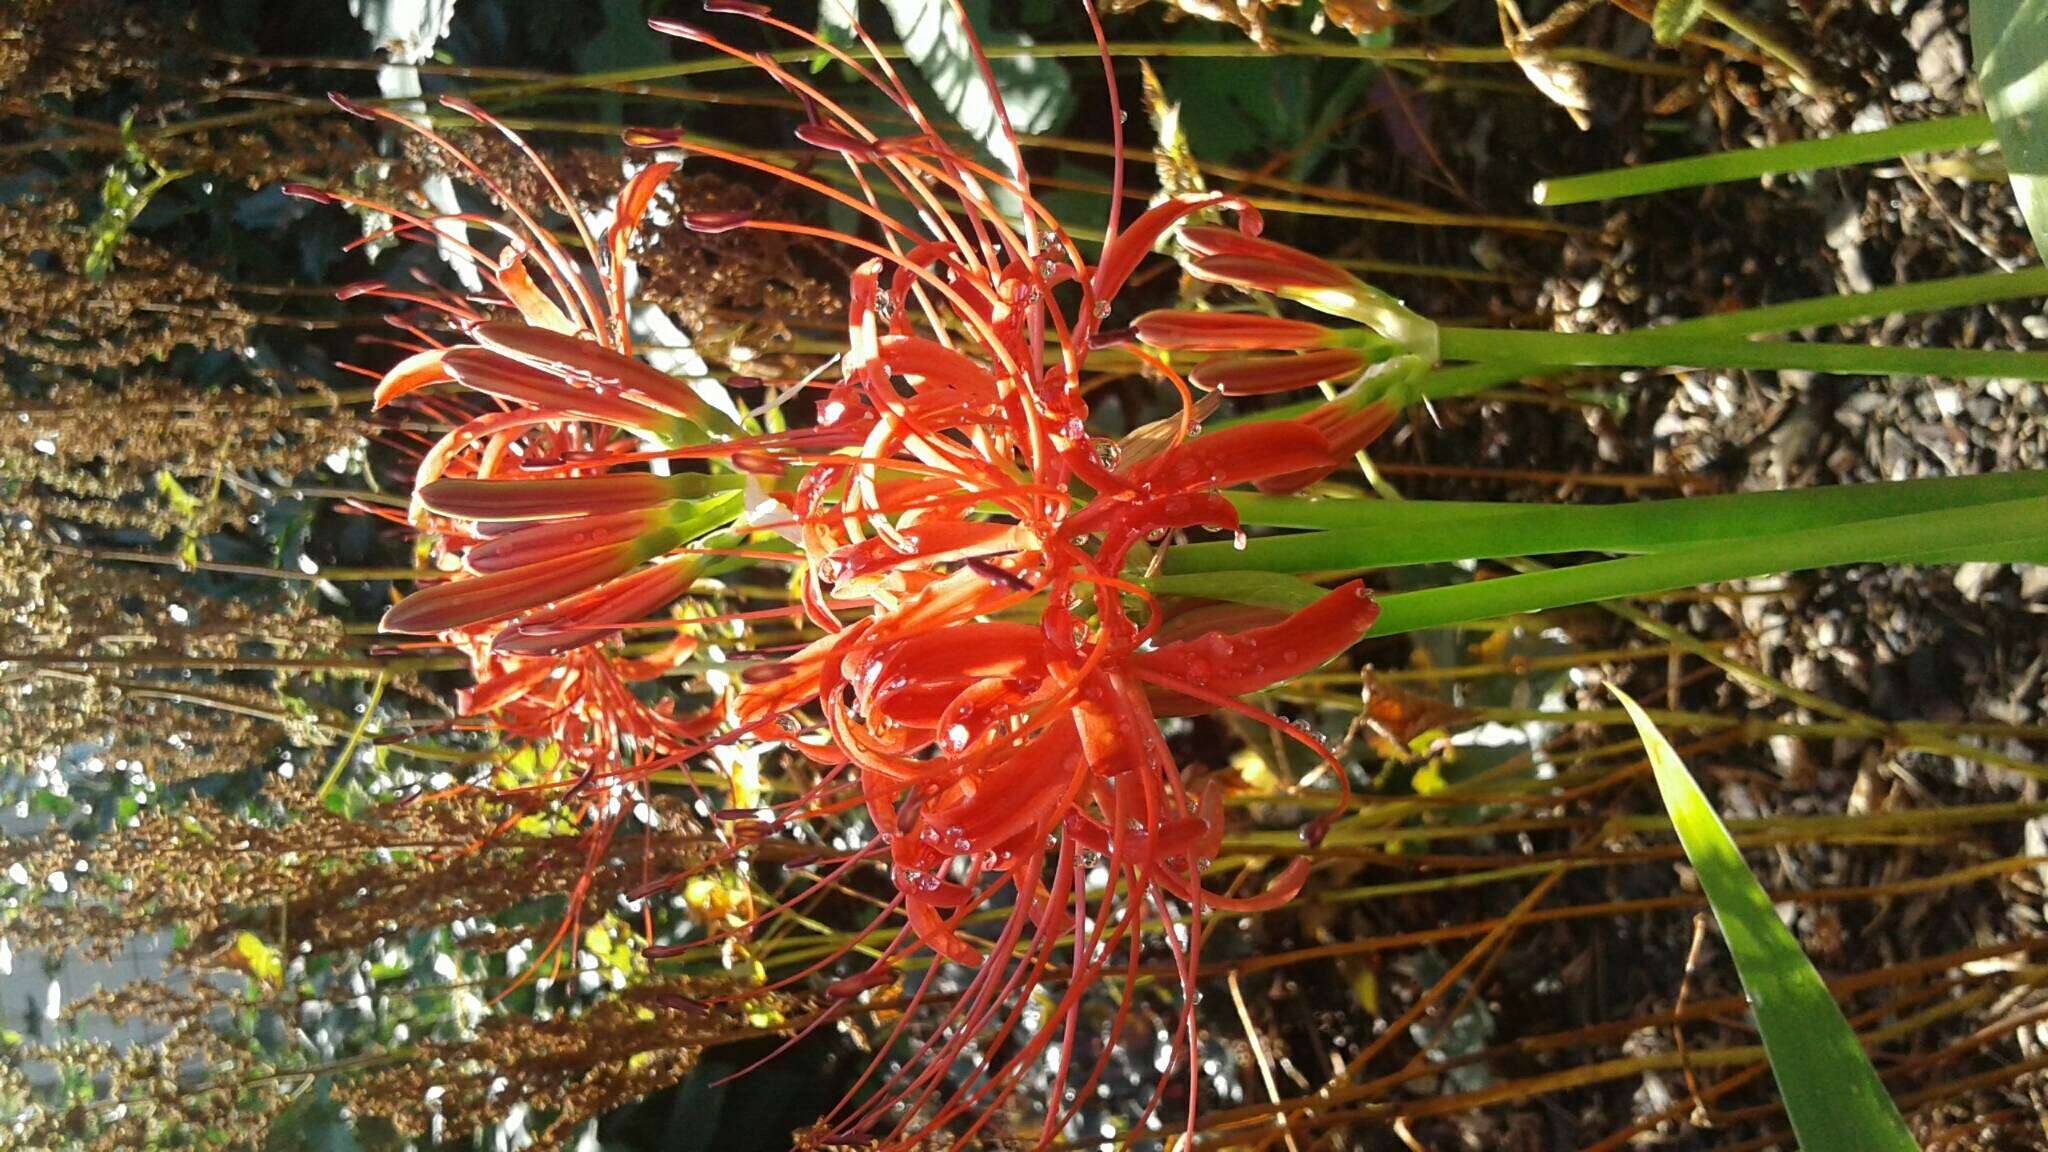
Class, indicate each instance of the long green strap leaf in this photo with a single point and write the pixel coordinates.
(1832, 1094)
(1994, 532)
(1750, 163)
(1388, 533)
(2000, 532)
(1657, 348)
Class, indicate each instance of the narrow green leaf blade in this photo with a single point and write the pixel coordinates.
(2010, 41)
(1750, 163)
(2008, 531)
(1354, 534)
(1672, 19)
(1831, 1092)
(1035, 94)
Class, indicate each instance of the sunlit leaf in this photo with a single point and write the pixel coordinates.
(835, 26)
(1831, 1093)
(131, 182)
(259, 959)
(2010, 39)
(182, 503)
(1672, 19)
(1036, 93)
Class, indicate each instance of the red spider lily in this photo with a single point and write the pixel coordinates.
(990, 675)
(541, 502)
(989, 681)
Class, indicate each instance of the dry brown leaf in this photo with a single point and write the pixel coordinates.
(1247, 16)
(1398, 717)
(1359, 17)
(1565, 83)
(1562, 81)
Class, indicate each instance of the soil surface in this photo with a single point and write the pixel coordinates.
(1881, 645)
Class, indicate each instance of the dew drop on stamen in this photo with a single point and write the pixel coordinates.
(1102, 309)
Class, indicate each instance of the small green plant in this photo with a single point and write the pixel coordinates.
(1832, 1094)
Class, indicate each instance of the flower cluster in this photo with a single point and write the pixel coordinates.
(990, 669)
(568, 504)
(991, 674)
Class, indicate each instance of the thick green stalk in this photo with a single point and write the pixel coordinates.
(1850, 307)
(1387, 533)
(1766, 320)
(1658, 349)
(1985, 531)
(1772, 319)
(1749, 163)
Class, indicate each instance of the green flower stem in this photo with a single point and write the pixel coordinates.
(1772, 319)
(1698, 549)
(1663, 348)
(1946, 536)
(1769, 319)
(355, 737)
(1770, 44)
(1749, 163)
(1386, 533)
(1846, 308)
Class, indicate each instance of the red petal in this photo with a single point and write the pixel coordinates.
(1121, 255)
(600, 612)
(410, 375)
(574, 358)
(553, 541)
(1226, 332)
(1262, 375)
(476, 600)
(1235, 664)
(1235, 455)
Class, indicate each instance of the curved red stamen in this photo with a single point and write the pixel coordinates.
(717, 220)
